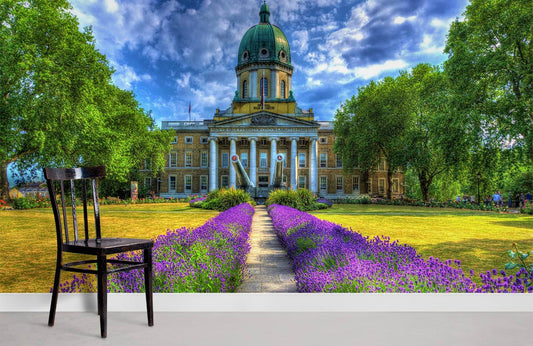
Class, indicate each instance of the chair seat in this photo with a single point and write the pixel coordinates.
(107, 246)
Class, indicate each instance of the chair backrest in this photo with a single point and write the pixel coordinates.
(55, 178)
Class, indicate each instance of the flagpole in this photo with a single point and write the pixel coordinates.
(189, 110)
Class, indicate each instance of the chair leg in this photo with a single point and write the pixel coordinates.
(148, 285)
(55, 292)
(102, 294)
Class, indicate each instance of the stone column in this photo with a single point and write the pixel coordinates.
(313, 166)
(294, 162)
(273, 154)
(232, 151)
(253, 160)
(213, 154)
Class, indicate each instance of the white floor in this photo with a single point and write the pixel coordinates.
(270, 328)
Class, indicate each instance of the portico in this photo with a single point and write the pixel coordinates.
(275, 130)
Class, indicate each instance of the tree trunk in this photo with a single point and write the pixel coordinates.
(425, 183)
(4, 183)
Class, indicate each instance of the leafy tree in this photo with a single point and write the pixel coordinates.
(490, 64)
(370, 127)
(408, 120)
(58, 106)
(436, 140)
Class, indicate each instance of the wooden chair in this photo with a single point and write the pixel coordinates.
(98, 246)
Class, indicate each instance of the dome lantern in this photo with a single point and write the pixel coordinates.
(264, 14)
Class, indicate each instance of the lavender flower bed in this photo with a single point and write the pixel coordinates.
(330, 258)
(209, 258)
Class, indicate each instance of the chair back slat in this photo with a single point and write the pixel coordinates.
(85, 221)
(74, 216)
(63, 207)
(59, 175)
(94, 185)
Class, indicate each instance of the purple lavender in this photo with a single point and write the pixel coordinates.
(209, 258)
(329, 258)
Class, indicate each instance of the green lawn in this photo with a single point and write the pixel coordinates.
(478, 239)
(28, 241)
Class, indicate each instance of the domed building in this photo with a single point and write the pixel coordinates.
(262, 124)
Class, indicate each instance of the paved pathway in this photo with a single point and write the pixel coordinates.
(269, 267)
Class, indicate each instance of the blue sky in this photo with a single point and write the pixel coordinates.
(172, 52)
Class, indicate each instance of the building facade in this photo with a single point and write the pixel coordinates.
(262, 122)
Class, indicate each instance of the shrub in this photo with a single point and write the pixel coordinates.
(301, 199)
(24, 203)
(224, 199)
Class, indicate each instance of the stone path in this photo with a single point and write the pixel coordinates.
(269, 267)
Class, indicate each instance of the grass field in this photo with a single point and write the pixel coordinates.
(28, 241)
(478, 239)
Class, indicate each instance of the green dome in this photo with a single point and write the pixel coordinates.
(264, 42)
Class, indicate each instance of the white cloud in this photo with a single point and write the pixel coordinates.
(375, 70)
(401, 20)
(125, 76)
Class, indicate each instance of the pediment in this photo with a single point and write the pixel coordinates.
(266, 119)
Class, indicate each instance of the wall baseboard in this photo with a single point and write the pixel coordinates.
(274, 302)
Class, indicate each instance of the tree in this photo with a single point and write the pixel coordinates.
(490, 64)
(58, 106)
(407, 119)
(436, 140)
(371, 126)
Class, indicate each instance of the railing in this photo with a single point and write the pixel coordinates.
(184, 124)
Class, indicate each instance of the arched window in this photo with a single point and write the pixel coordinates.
(244, 89)
(283, 89)
(264, 89)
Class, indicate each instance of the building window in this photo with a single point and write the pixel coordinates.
(381, 165)
(338, 160)
(323, 184)
(244, 89)
(188, 159)
(204, 140)
(225, 160)
(340, 184)
(263, 160)
(203, 183)
(173, 159)
(174, 140)
(172, 183)
(381, 186)
(262, 181)
(148, 164)
(148, 183)
(355, 184)
(203, 159)
(224, 181)
(369, 183)
(301, 160)
(395, 185)
(283, 89)
(323, 140)
(301, 182)
(244, 159)
(188, 140)
(264, 89)
(188, 183)
(323, 160)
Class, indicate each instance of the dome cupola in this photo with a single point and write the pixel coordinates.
(264, 42)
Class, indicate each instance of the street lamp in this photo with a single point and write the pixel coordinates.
(478, 175)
